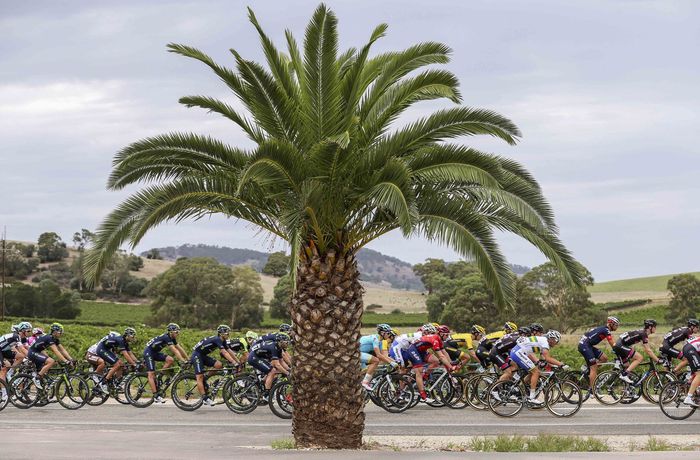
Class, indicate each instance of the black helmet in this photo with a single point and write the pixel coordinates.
(524, 331)
(536, 327)
(649, 323)
(129, 332)
(172, 327)
(284, 327)
(693, 323)
(223, 329)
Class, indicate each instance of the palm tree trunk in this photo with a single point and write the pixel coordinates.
(327, 315)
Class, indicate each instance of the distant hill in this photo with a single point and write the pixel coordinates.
(649, 283)
(374, 266)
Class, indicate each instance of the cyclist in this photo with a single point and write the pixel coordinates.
(453, 347)
(286, 328)
(152, 353)
(399, 347)
(500, 352)
(691, 351)
(12, 349)
(265, 356)
(38, 356)
(241, 345)
(373, 350)
(486, 343)
(667, 352)
(36, 333)
(107, 348)
(524, 356)
(417, 354)
(594, 356)
(624, 348)
(466, 340)
(200, 357)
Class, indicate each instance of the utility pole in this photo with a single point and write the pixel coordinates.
(2, 280)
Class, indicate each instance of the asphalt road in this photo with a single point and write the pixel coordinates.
(163, 431)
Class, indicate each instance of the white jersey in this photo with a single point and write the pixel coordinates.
(695, 342)
(93, 348)
(404, 341)
(533, 344)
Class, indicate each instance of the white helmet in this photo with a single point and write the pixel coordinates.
(554, 335)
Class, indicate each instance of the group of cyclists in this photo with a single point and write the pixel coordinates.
(513, 348)
(267, 354)
(525, 348)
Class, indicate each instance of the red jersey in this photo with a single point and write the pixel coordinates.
(427, 342)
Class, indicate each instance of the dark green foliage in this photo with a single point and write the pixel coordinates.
(277, 264)
(200, 292)
(373, 306)
(46, 300)
(134, 262)
(51, 248)
(685, 297)
(134, 287)
(154, 254)
(17, 264)
(279, 305)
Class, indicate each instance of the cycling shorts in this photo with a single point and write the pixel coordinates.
(501, 361)
(39, 359)
(365, 358)
(200, 362)
(692, 356)
(261, 364)
(108, 355)
(415, 357)
(399, 355)
(150, 357)
(92, 358)
(590, 353)
(9, 355)
(670, 352)
(454, 354)
(624, 353)
(522, 359)
(482, 353)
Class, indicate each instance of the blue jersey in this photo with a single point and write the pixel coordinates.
(114, 343)
(368, 343)
(43, 342)
(596, 335)
(267, 349)
(206, 346)
(158, 343)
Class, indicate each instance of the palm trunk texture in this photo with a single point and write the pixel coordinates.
(327, 314)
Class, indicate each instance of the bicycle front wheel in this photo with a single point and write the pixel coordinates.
(654, 383)
(23, 391)
(671, 401)
(72, 392)
(608, 388)
(396, 393)
(506, 398)
(281, 399)
(242, 394)
(138, 390)
(563, 399)
(185, 394)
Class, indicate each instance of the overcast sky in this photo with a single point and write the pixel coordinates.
(606, 94)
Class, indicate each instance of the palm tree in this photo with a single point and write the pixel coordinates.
(329, 173)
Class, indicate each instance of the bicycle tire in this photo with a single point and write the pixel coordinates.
(23, 391)
(242, 394)
(397, 394)
(72, 392)
(563, 398)
(671, 401)
(608, 388)
(654, 383)
(281, 399)
(96, 397)
(137, 390)
(184, 393)
(509, 394)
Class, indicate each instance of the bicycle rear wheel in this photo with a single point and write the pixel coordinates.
(23, 391)
(654, 383)
(72, 392)
(96, 396)
(563, 398)
(458, 401)
(242, 394)
(608, 388)
(138, 390)
(506, 398)
(396, 393)
(281, 399)
(185, 394)
(478, 390)
(671, 401)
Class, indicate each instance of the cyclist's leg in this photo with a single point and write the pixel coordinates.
(635, 360)
(150, 363)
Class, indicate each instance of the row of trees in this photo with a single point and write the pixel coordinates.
(46, 300)
(459, 296)
(685, 297)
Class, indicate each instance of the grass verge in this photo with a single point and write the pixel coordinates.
(540, 443)
(282, 444)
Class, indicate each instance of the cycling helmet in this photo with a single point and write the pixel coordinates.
(37, 331)
(693, 323)
(383, 328)
(223, 329)
(476, 329)
(536, 327)
(172, 327)
(510, 327)
(436, 325)
(24, 326)
(443, 329)
(613, 320)
(394, 332)
(284, 327)
(553, 335)
(283, 337)
(14, 328)
(649, 323)
(57, 327)
(251, 335)
(428, 329)
(524, 331)
(129, 332)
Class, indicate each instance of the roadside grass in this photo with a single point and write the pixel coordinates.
(540, 443)
(282, 444)
(654, 444)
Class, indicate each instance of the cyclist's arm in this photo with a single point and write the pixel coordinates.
(279, 365)
(381, 356)
(59, 352)
(229, 356)
(287, 358)
(129, 356)
(20, 350)
(178, 352)
(550, 359)
(651, 354)
(611, 341)
(444, 358)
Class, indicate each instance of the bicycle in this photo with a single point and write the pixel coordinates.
(69, 389)
(610, 389)
(137, 388)
(561, 397)
(101, 388)
(671, 400)
(186, 396)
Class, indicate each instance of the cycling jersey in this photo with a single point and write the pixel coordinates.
(238, 345)
(533, 344)
(43, 342)
(488, 340)
(691, 350)
(505, 344)
(206, 346)
(262, 352)
(9, 341)
(114, 343)
(632, 337)
(596, 335)
(453, 350)
(427, 342)
(677, 336)
(464, 340)
(368, 343)
(31, 339)
(156, 344)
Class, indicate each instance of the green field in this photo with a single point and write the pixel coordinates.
(651, 283)
(112, 313)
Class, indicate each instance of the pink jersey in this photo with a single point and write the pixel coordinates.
(695, 342)
(30, 340)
